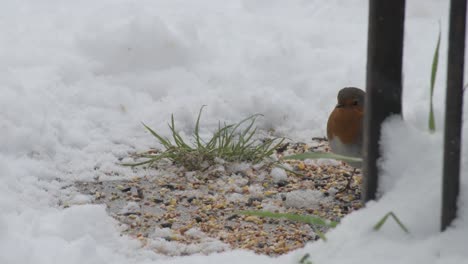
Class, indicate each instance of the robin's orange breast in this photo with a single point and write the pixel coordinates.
(346, 124)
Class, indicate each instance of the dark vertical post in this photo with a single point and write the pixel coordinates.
(453, 111)
(384, 81)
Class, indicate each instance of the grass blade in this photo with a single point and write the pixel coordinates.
(322, 155)
(197, 128)
(236, 126)
(435, 63)
(136, 164)
(382, 221)
(277, 164)
(177, 138)
(151, 159)
(321, 235)
(313, 220)
(164, 141)
(293, 217)
(305, 259)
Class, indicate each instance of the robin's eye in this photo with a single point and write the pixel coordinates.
(355, 103)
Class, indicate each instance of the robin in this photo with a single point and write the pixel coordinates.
(344, 126)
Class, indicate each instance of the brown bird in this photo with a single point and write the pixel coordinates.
(344, 126)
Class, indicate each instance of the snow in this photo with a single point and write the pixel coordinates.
(78, 77)
(278, 174)
(206, 245)
(304, 199)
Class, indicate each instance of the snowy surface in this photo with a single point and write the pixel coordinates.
(205, 244)
(78, 77)
(304, 199)
(278, 174)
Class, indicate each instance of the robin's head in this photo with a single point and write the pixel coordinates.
(351, 97)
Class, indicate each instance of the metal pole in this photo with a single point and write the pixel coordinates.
(453, 112)
(384, 81)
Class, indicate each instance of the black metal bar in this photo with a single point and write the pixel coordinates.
(384, 81)
(453, 112)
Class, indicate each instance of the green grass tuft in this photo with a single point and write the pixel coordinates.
(235, 142)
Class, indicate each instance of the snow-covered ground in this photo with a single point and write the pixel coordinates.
(78, 77)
